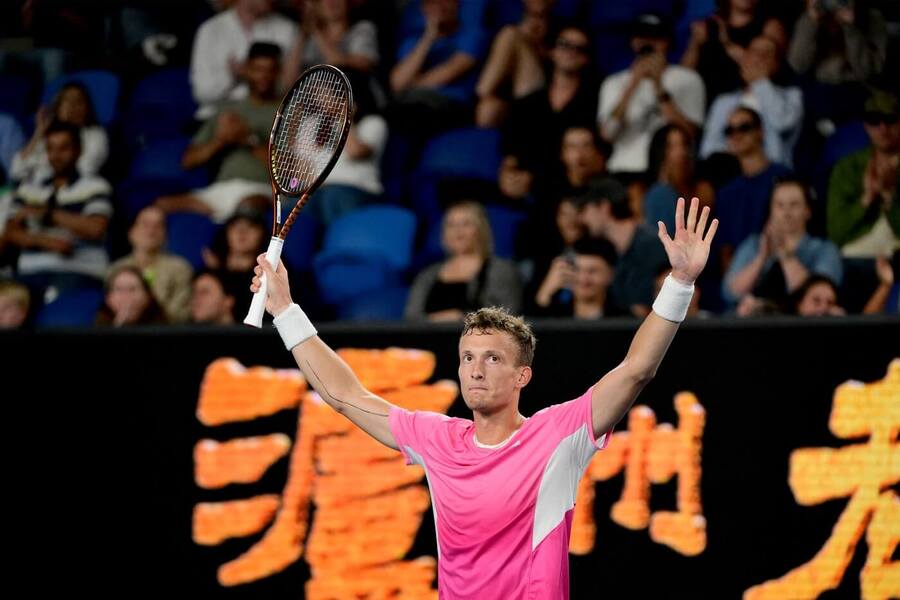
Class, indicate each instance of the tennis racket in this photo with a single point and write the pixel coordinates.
(308, 135)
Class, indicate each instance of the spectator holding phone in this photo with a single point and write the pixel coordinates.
(634, 103)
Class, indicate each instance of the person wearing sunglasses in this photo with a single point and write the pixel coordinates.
(863, 210)
(781, 107)
(634, 103)
(537, 121)
(742, 204)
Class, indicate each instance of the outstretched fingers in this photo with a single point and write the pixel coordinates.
(712, 231)
(701, 225)
(692, 216)
(679, 215)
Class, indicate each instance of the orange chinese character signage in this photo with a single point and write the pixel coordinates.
(649, 453)
(863, 472)
(368, 503)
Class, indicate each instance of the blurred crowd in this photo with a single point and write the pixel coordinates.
(522, 153)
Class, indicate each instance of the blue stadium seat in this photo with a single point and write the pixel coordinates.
(386, 304)
(302, 242)
(161, 106)
(848, 138)
(470, 152)
(17, 95)
(156, 171)
(72, 308)
(188, 234)
(373, 231)
(103, 87)
(505, 224)
(366, 250)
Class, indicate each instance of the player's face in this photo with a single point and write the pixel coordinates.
(489, 370)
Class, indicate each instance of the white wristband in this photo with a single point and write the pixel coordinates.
(294, 326)
(673, 300)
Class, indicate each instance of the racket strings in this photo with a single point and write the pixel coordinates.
(311, 130)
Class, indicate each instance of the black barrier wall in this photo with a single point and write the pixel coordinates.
(108, 425)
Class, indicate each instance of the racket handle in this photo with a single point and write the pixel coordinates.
(258, 305)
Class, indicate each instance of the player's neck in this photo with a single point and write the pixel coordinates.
(496, 428)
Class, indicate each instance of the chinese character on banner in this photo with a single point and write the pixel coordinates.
(863, 472)
(649, 453)
(368, 503)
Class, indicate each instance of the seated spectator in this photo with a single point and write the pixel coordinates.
(863, 205)
(673, 167)
(816, 297)
(606, 212)
(718, 42)
(169, 275)
(72, 105)
(470, 277)
(694, 310)
(14, 303)
(236, 141)
(546, 244)
(780, 107)
(221, 49)
(838, 42)
(59, 224)
(514, 66)
(327, 35)
(584, 157)
(863, 208)
(435, 75)
(634, 103)
(355, 179)
(777, 262)
(11, 140)
(537, 121)
(586, 277)
(129, 301)
(211, 304)
(742, 205)
(233, 254)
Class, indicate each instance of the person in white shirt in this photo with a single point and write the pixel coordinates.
(634, 103)
(781, 107)
(355, 179)
(220, 49)
(71, 105)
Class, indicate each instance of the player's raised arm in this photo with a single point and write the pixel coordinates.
(613, 395)
(325, 370)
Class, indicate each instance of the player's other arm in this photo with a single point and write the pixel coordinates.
(614, 394)
(324, 369)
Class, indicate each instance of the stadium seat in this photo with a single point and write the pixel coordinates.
(505, 224)
(470, 152)
(302, 242)
(366, 250)
(385, 304)
(373, 231)
(72, 308)
(103, 86)
(161, 106)
(17, 95)
(188, 234)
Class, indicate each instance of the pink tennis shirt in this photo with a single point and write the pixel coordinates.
(503, 515)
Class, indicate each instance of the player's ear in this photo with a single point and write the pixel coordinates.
(524, 377)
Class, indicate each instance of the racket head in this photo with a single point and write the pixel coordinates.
(310, 130)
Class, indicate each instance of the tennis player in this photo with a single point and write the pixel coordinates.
(503, 485)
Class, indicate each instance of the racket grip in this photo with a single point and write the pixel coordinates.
(258, 305)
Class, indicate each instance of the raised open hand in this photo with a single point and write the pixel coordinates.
(689, 250)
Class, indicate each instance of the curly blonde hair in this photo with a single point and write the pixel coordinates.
(495, 318)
